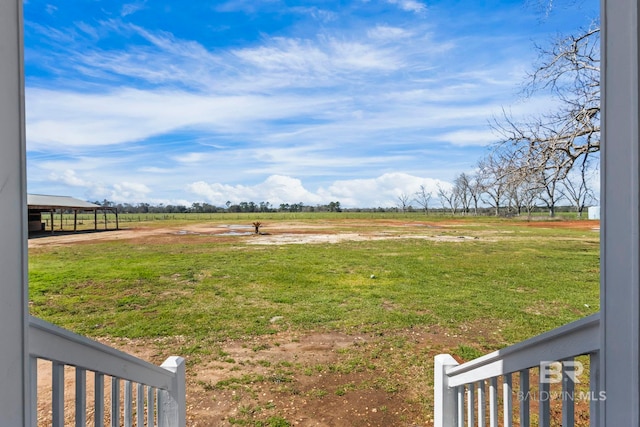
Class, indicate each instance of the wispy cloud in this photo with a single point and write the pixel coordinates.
(388, 33)
(131, 8)
(409, 5)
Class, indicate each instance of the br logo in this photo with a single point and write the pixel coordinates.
(552, 372)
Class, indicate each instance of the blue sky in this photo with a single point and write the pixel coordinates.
(175, 102)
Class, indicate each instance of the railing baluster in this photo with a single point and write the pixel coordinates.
(57, 401)
(507, 397)
(594, 388)
(544, 401)
(81, 397)
(98, 399)
(161, 405)
(460, 392)
(151, 393)
(33, 389)
(128, 404)
(525, 420)
(481, 404)
(471, 421)
(493, 402)
(115, 402)
(568, 389)
(140, 405)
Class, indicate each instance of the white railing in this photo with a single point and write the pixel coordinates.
(159, 398)
(460, 390)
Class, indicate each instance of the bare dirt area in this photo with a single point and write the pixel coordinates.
(318, 379)
(280, 233)
(572, 224)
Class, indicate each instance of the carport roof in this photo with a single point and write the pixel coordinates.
(39, 201)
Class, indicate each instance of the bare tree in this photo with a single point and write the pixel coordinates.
(475, 191)
(575, 187)
(549, 145)
(462, 188)
(550, 180)
(522, 188)
(449, 199)
(423, 197)
(530, 194)
(403, 198)
(493, 180)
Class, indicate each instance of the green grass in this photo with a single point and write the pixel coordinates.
(526, 280)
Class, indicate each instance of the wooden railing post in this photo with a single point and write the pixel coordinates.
(172, 408)
(444, 397)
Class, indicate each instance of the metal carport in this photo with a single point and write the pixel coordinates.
(39, 204)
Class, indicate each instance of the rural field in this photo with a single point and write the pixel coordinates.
(326, 319)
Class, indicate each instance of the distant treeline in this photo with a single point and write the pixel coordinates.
(242, 207)
(265, 207)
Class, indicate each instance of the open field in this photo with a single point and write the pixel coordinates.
(328, 320)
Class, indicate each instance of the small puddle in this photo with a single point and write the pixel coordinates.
(234, 230)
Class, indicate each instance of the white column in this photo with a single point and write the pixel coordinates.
(445, 398)
(14, 408)
(172, 404)
(620, 198)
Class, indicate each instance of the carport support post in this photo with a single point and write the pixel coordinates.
(14, 353)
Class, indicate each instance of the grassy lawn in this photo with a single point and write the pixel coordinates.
(502, 282)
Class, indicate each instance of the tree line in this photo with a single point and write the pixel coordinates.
(203, 207)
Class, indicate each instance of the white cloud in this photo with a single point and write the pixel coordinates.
(56, 118)
(409, 5)
(276, 189)
(475, 137)
(125, 191)
(191, 158)
(93, 188)
(320, 58)
(382, 191)
(385, 32)
(290, 55)
(131, 8)
(68, 177)
(322, 15)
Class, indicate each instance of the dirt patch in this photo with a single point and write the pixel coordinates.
(315, 379)
(280, 234)
(576, 225)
